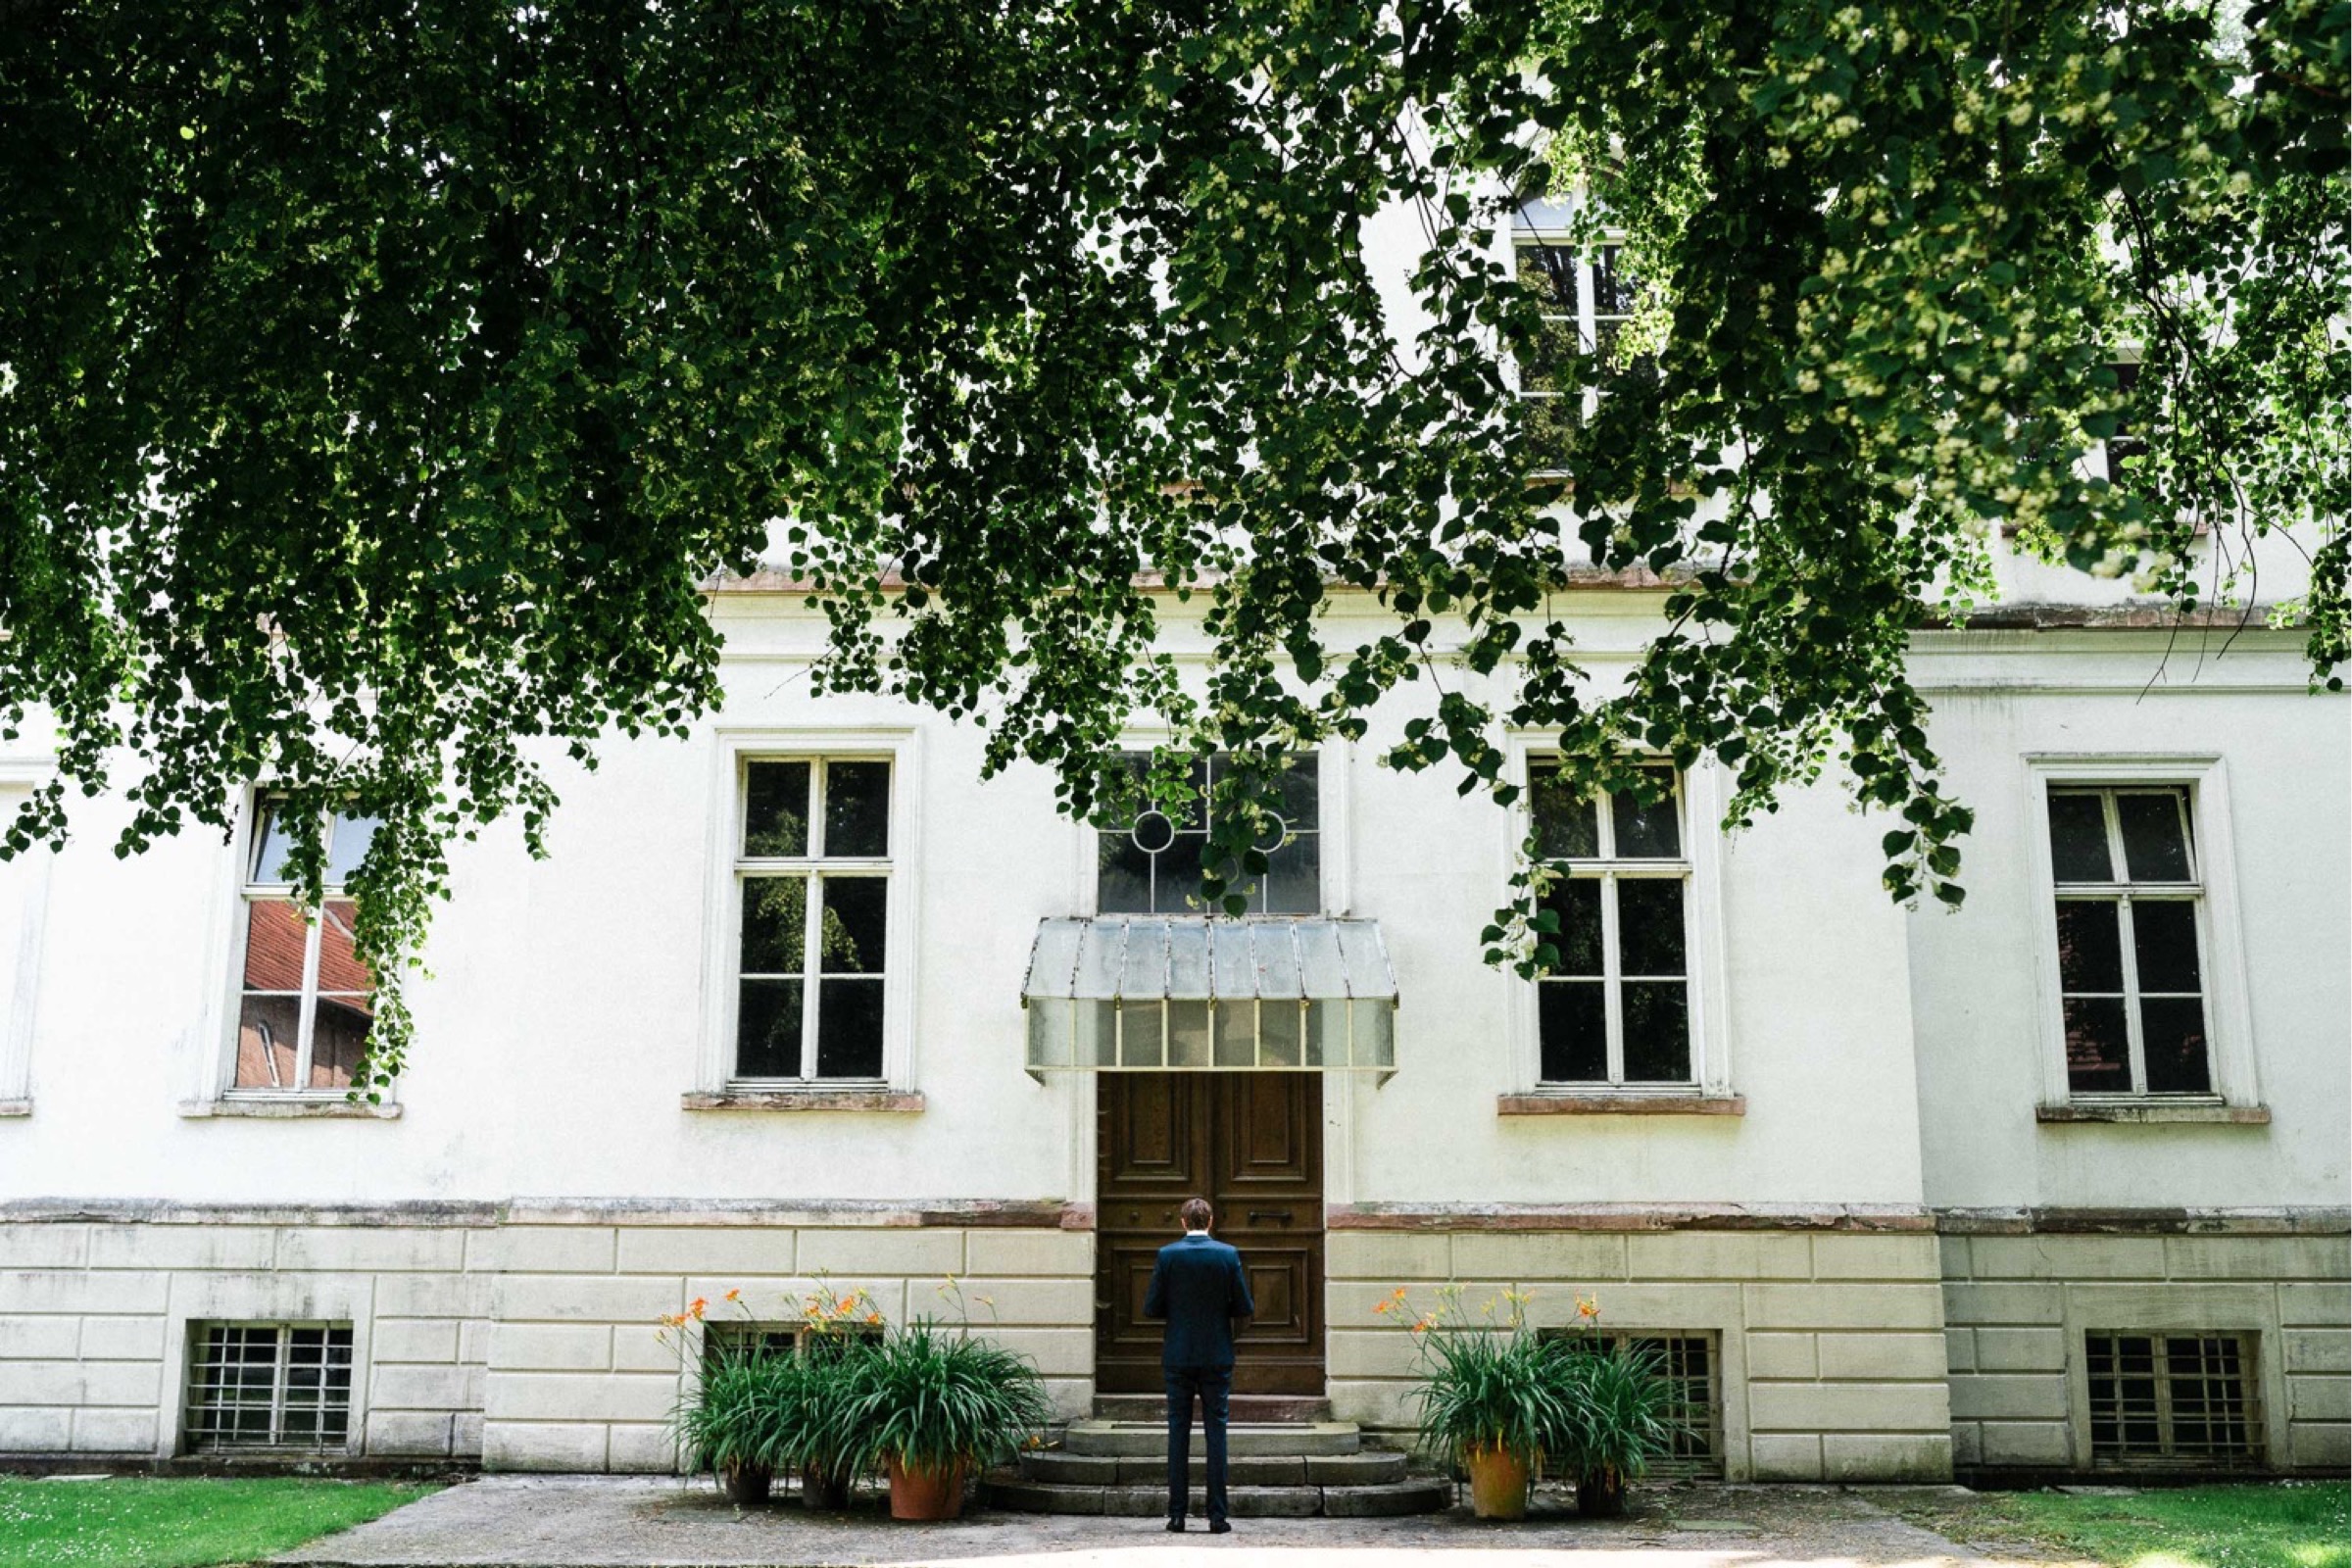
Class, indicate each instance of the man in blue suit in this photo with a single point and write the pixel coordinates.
(1198, 1286)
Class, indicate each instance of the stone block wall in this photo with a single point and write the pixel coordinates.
(2019, 1299)
(581, 1375)
(96, 1309)
(1830, 1341)
(519, 1337)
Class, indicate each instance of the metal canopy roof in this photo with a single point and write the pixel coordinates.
(1152, 958)
(1152, 994)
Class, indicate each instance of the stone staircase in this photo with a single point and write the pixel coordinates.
(1289, 1470)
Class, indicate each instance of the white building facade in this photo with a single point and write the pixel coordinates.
(2057, 1183)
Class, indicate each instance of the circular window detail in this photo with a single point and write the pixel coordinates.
(1279, 835)
(1153, 832)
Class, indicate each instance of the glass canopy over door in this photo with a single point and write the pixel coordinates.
(1159, 994)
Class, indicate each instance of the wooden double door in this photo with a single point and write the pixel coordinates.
(1250, 1143)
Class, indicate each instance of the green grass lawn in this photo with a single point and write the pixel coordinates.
(2285, 1525)
(147, 1522)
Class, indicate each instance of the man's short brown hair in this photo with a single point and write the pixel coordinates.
(1196, 1213)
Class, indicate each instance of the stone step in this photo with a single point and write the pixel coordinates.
(1390, 1499)
(1141, 1440)
(1244, 1408)
(1266, 1470)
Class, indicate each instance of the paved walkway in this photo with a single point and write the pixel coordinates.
(596, 1521)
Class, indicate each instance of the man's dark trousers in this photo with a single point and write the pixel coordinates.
(1198, 1287)
(1212, 1384)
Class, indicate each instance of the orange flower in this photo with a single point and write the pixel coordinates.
(873, 1317)
(1397, 1295)
(735, 1294)
(696, 1305)
(1381, 1307)
(1587, 1307)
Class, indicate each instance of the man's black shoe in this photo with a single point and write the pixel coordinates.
(1220, 1528)
(1175, 1527)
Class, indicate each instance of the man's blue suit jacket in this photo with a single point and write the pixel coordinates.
(1198, 1287)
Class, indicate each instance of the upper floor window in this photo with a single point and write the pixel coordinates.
(2126, 443)
(813, 872)
(1152, 866)
(1586, 300)
(2130, 943)
(306, 1001)
(1616, 1010)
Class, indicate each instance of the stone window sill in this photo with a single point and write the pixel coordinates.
(2152, 1112)
(292, 1109)
(2155, 1112)
(893, 1101)
(1560, 1104)
(15, 1107)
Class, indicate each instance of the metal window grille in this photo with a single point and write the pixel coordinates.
(270, 1385)
(1689, 1363)
(781, 1339)
(2172, 1400)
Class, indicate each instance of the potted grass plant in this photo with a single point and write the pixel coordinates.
(732, 1424)
(1490, 1394)
(1621, 1420)
(935, 1404)
(769, 1401)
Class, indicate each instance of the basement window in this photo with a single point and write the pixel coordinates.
(1690, 1362)
(2171, 1401)
(763, 1341)
(271, 1386)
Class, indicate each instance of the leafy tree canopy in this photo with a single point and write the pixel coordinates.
(383, 382)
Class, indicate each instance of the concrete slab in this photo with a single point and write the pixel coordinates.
(645, 1522)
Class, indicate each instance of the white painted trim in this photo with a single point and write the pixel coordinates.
(21, 999)
(1704, 925)
(1336, 765)
(2228, 1013)
(731, 745)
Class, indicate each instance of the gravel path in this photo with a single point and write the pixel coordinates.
(601, 1521)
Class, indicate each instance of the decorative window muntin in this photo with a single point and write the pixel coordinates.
(269, 1385)
(1152, 866)
(1616, 1010)
(2173, 1400)
(813, 872)
(305, 1002)
(2130, 915)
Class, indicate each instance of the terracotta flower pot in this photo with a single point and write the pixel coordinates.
(1498, 1482)
(822, 1489)
(743, 1484)
(925, 1493)
(1600, 1494)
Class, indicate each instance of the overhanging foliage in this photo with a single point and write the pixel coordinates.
(384, 379)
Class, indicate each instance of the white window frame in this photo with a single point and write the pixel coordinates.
(2228, 1024)
(736, 748)
(1588, 317)
(1699, 790)
(20, 961)
(223, 1088)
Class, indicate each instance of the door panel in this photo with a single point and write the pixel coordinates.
(1253, 1144)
